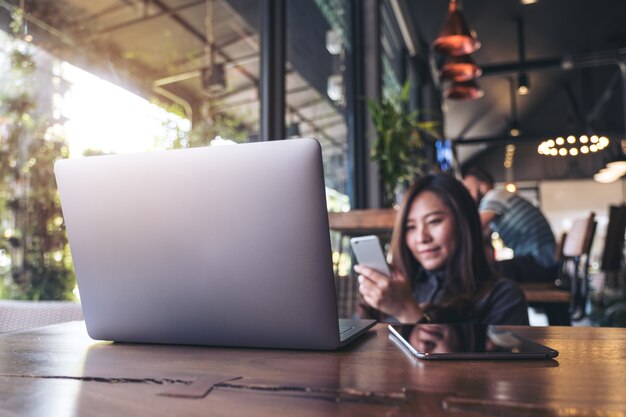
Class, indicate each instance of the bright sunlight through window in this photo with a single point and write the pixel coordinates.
(104, 117)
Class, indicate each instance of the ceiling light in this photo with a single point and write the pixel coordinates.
(460, 68)
(214, 75)
(528, 1)
(514, 129)
(455, 37)
(606, 177)
(523, 85)
(465, 90)
(617, 165)
(334, 88)
(214, 79)
(293, 130)
(573, 146)
(603, 142)
(613, 171)
(334, 43)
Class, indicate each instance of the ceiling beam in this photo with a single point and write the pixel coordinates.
(604, 98)
(202, 38)
(575, 106)
(142, 19)
(593, 59)
(505, 140)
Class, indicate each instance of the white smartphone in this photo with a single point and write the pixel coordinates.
(368, 252)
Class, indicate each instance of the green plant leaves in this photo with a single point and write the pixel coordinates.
(399, 146)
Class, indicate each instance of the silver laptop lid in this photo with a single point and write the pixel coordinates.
(224, 246)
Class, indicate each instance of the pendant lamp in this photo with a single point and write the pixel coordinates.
(214, 75)
(464, 90)
(456, 38)
(460, 68)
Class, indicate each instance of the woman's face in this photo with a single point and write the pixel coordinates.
(430, 231)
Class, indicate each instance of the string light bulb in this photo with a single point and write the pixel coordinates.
(573, 146)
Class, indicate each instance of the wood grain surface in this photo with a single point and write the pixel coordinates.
(59, 371)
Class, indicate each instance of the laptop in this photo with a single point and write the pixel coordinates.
(220, 246)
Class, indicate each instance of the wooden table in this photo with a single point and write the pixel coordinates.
(363, 222)
(59, 371)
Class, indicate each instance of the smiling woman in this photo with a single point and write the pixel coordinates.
(440, 271)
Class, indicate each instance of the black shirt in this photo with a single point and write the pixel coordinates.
(505, 303)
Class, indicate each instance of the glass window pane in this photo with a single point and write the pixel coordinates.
(391, 53)
(317, 43)
(83, 77)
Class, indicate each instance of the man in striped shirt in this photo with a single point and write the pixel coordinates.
(521, 226)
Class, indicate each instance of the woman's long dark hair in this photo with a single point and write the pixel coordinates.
(467, 271)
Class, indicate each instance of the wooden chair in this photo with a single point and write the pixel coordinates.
(575, 263)
(612, 255)
(566, 300)
(612, 302)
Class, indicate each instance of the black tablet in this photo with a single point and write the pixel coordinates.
(467, 341)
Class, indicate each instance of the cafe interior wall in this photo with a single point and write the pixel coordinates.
(562, 204)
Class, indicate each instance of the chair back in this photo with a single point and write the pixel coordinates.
(576, 250)
(614, 242)
(579, 238)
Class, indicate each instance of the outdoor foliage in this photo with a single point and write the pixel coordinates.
(399, 145)
(35, 260)
(203, 131)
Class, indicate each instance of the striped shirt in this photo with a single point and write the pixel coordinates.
(521, 226)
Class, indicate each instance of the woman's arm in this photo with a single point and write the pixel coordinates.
(390, 295)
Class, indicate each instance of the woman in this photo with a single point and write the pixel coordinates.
(440, 272)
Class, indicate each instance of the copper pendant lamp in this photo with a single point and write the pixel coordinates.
(464, 90)
(460, 68)
(456, 38)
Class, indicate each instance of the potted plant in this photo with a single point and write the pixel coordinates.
(399, 145)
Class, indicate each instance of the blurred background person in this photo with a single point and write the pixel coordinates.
(521, 226)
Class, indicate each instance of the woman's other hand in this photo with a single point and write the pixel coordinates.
(390, 295)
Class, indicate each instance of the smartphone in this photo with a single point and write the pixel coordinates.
(467, 341)
(369, 252)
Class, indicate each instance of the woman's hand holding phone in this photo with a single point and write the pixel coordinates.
(382, 288)
(391, 295)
